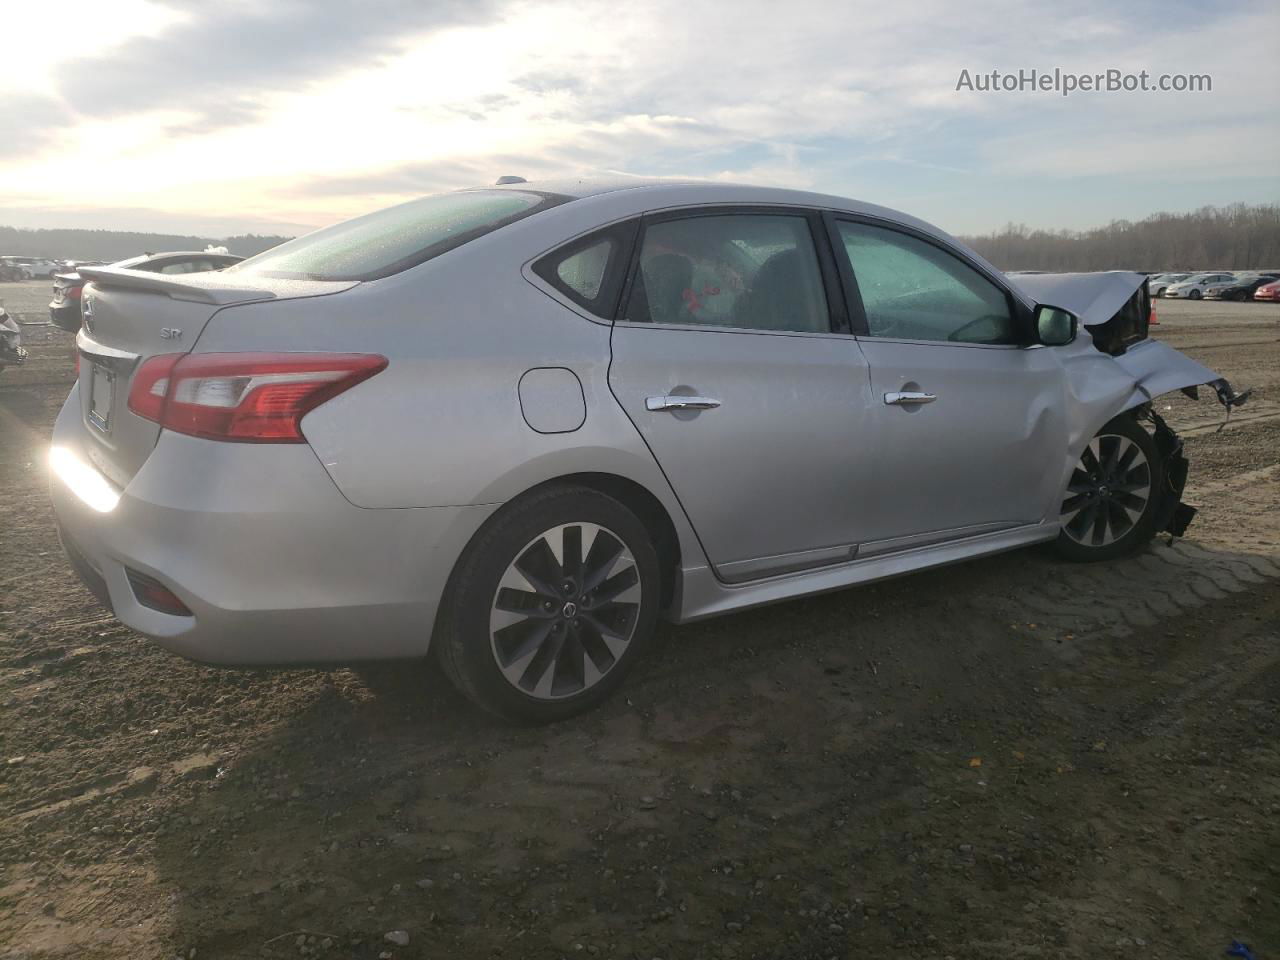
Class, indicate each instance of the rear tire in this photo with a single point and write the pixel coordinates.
(1109, 507)
(550, 605)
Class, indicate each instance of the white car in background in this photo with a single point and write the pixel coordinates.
(36, 267)
(1193, 288)
(1157, 283)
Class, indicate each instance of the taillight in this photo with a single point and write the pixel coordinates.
(246, 397)
(72, 293)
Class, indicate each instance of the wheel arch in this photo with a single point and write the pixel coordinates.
(632, 494)
(652, 513)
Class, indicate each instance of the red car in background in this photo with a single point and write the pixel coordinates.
(1268, 291)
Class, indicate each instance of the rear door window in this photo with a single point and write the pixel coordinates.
(745, 271)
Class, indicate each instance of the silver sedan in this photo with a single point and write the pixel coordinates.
(515, 426)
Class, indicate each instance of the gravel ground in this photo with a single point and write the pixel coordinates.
(1011, 758)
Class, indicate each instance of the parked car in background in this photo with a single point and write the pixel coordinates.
(1161, 281)
(12, 270)
(516, 426)
(1241, 288)
(64, 308)
(1193, 287)
(1268, 291)
(35, 267)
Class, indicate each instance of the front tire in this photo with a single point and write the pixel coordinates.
(1194, 295)
(550, 605)
(1109, 508)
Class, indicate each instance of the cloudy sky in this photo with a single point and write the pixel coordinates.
(225, 116)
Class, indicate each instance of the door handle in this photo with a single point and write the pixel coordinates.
(908, 398)
(655, 404)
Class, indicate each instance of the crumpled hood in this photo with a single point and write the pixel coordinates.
(1093, 297)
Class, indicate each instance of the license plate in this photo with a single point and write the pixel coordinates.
(101, 391)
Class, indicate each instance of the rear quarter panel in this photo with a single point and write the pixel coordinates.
(442, 425)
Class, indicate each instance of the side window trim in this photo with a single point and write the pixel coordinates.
(608, 301)
(1017, 309)
(837, 304)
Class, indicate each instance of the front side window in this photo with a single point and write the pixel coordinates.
(749, 271)
(912, 290)
(380, 244)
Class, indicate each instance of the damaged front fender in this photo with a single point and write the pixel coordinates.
(1157, 369)
(1108, 375)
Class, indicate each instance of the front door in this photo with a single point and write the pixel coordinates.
(968, 424)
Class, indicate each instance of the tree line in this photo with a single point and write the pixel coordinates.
(1237, 237)
(111, 245)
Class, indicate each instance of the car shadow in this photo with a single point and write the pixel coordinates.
(759, 766)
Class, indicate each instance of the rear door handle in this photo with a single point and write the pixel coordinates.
(656, 404)
(908, 398)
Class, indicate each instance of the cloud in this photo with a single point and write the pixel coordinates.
(224, 59)
(308, 111)
(28, 121)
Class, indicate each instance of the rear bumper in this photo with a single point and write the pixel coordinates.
(66, 315)
(276, 566)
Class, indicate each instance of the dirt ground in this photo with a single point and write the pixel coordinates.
(1012, 758)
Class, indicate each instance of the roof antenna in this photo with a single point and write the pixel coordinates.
(502, 181)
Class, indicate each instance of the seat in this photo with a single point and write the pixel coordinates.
(661, 285)
(778, 299)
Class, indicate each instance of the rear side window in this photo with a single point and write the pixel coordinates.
(589, 271)
(583, 272)
(380, 244)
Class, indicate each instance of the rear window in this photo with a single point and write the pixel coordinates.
(380, 244)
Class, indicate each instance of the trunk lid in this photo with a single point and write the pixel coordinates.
(130, 316)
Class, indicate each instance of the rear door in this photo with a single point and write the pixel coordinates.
(730, 357)
(967, 424)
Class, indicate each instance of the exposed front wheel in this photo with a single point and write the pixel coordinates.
(1194, 295)
(1110, 502)
(550, 605)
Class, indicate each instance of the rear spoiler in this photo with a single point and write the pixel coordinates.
(215, 293)
(212, 291)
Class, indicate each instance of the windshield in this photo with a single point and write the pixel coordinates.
(380, 244)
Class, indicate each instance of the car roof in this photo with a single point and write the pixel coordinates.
(579, 188)
(678, 191)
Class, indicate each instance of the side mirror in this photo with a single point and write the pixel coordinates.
(1055, 327)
